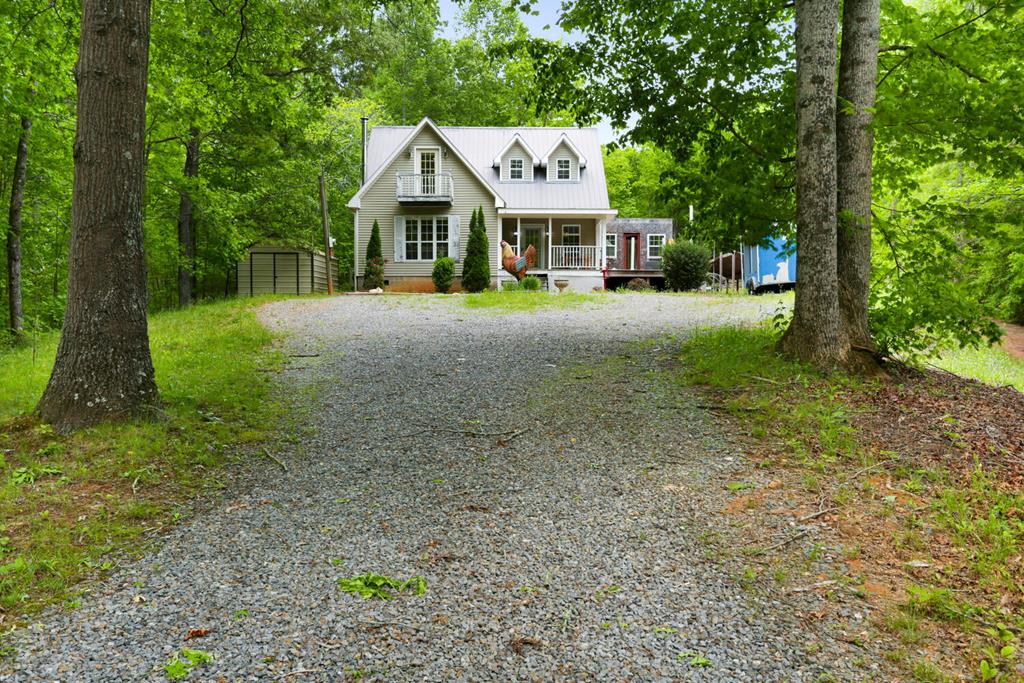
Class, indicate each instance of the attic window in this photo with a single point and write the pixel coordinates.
(515, 169)
(562, 170)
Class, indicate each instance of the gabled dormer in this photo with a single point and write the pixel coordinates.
(516, 161)
(563, 161)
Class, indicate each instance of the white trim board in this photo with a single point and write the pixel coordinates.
(569, 213)
(504, 150)
(568, 143)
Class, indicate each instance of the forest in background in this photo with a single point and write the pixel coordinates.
(249, 101)
(268, 95)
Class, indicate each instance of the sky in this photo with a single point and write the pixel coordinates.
(543, 25)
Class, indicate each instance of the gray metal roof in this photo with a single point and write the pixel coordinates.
(480, 145)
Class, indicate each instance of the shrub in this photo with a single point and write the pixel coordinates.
(373, 276)
(444, 272)
(684, 264)
(511, 286)
(639, 284)
(476, 270)
(530, 283)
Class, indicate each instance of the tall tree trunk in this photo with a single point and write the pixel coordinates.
(103, 368)
(186, 226)
(858, 68)
(15, 321)
(815, 334)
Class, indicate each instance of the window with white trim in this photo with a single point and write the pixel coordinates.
(426, 238)
(515, 169)
(654, 246)
(563, 169)
(570, 235)
(611, 246)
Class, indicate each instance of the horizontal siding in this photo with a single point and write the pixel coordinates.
(560, 152)
(517, 151)
(379, 203)
(481, 145)
(588, 229)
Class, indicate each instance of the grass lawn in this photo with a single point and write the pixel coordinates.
(914, 483)
(71, 506)
(989, 364)
(518, 301)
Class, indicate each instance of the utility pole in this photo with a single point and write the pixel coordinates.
(325, 219)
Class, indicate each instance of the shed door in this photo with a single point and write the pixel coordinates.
(286, 273)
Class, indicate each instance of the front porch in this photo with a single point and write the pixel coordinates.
(562, 243)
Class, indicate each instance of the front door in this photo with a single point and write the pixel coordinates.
(631, 251)
(534, 234)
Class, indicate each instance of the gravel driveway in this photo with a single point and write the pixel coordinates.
(564, 510)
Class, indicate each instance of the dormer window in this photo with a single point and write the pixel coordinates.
(563, 170)
(515, 169)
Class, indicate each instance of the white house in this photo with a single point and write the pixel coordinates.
(539, 186)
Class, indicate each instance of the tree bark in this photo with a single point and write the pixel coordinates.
(815, 334)
(858, 69)
(16, 317)
(186, 226)
(103, 369)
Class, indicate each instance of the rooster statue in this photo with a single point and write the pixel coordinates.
(517, 265)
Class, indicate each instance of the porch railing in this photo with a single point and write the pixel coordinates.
(586, 258)
(424, 186)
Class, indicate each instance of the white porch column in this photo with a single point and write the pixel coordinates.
(519, 236)
(548, 264)
(602, 228)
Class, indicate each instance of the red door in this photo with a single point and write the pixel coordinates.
(631, 251)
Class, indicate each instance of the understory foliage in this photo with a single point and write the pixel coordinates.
(685, 264)
(948, 167)
(373, 275)
(476, 269)
(273, 91)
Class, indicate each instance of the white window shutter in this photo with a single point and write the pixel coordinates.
(399, 238)
(454, 243)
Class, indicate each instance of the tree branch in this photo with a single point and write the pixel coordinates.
(960, 67)
(968, 22)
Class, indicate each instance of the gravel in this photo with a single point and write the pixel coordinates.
(563, 506)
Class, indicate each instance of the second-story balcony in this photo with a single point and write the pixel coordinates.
(425, 189)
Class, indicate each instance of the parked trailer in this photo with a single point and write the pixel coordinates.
(770, 267)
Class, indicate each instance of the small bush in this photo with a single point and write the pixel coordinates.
(685, 264)
(373, 277)
(443, 274)
(530, 283)
(639, 284)
(511, 287)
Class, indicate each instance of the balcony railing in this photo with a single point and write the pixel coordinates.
(425, 187)
(586, 258)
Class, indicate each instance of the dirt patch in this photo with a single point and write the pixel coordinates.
(1013, 342)
(938, 418)
(862, 531)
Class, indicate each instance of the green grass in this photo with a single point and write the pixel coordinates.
(71, 506)
(814, 420)
(991, 365)
(525, 302)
